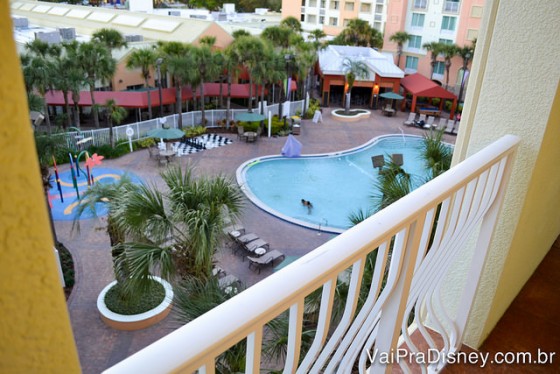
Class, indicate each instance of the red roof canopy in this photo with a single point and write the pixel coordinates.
(419, 85)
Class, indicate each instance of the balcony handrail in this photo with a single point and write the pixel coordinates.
(467, 196)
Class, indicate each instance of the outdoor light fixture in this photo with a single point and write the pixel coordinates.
(159, 61)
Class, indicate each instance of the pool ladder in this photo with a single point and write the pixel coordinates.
(321, 225)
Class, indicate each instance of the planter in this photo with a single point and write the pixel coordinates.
(135, 321)
(339, 115)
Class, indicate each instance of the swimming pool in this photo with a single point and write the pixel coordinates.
(337, 184)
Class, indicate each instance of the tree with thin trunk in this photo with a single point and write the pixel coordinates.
(449, 51)
(112, 40)
(75, 75)
(306, 57)
(207, 65)
(400, 37)
(178, 60)
(231, 64)
(248, 52)
(353, 69)
(143, 59)
(98, 65)
(435, 48)
(466, 53)
(115, 114)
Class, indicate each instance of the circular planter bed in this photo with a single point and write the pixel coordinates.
(353, 116)
(135, 321)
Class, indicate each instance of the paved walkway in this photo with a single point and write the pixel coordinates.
(100, 347)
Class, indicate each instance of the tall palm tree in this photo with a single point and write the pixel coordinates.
(231, 65)
(178, 61)
(306, 57)
(110, 38)
(208, 65)
(278, 36)
(435, 48)
(247, 51)
(208, 40)
(359, 33)
(292, 23)
(353, 69)
(143, 59)
(436, 154)
(466, 53)
(98, 64)
(400, 37)
(75, 76)
(115, 114)
(449, 51)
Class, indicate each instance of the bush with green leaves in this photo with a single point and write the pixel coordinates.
(314, 105)
(192, 132)
(146, 143)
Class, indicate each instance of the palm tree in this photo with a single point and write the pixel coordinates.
(115, 114)
(143, 59)
(466, 53)
(359, 33)
(436, 154)
(177, 231)
(98, 65)
(353, 69)
(400, 37)
(292, 23)
(278, 36)
(306, 57)
(247, 51)
(178, 62)
(208, 66)
(208, 40)
(74, 76)
(231, 65)
(435, 48)
(110, 38)
(239, 33)
(449, 51)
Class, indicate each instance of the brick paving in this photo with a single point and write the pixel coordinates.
(99, 346)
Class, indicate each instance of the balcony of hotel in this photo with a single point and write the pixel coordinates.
(434, 271)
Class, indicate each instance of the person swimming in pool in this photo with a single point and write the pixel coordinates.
(307, 204)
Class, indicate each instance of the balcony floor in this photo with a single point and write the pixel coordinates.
(530, 323)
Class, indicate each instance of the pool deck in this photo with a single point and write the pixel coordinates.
(99, 346)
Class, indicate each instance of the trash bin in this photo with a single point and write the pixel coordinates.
(296, 129)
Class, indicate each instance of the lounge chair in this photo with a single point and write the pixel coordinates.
(252, 246)
(241, 133)
(378, 161)
(410, 120)
(397, 159)
(441, 124)
(228, 281)
(430, 122)
(266, 259)
(421, 120)
(450, 126)
(246, 238)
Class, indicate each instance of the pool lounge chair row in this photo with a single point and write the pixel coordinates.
(429, 123)
(266, 259)
(257, 249)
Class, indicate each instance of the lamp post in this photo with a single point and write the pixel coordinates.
(158, 66)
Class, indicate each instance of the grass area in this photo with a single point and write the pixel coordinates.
(117, 303)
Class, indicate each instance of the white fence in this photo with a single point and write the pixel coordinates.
(414, 242)
(99, 137)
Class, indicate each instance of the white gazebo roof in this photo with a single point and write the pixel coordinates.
(331, 61)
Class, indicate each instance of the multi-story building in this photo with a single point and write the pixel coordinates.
(333, 15)
(447, 21)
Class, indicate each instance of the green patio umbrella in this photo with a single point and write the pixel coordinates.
(391, 95)
(249, 117)
(166, 133)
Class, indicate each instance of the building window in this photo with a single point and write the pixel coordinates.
(302, 18)
(439, 68)
(334, 5)
(321, 20)
(349, 6)
(311, 19)
(418, 20)
(379, 8)
(446, 41)
(365, 8)
(448, 23)
(451, 6)
(411, 63)
(323, 3)
(312, 3)
(420, 4)
(415, 41)
(302, 2)
(377, 26)
(333, 21)
(472, 34)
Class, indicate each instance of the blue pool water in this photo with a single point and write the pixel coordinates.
(336, 184)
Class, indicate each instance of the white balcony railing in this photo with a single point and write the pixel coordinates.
(414, 242)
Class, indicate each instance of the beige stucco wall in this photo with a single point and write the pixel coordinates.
(35, 333)
(513, 88)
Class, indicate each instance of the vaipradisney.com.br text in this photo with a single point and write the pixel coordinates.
(434, 356)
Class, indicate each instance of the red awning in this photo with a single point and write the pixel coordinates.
(139, 99)
(419, 85)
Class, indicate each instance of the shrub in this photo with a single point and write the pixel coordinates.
(146, 142)
(117, 302)
(191, 132)
(436, 101)
(314, 105)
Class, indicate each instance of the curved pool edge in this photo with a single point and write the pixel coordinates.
(242, 182)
